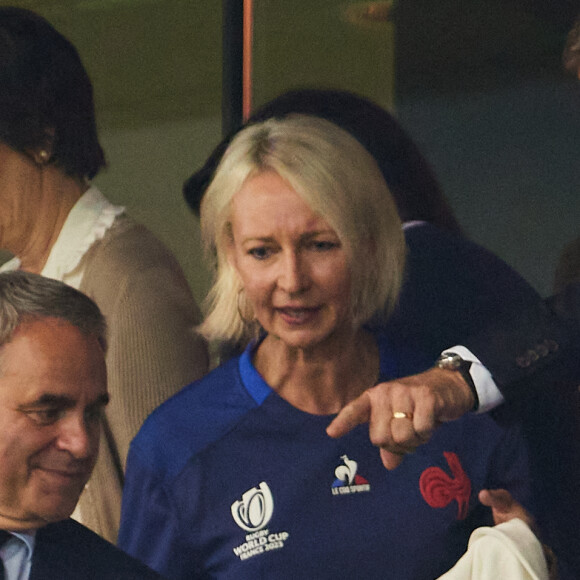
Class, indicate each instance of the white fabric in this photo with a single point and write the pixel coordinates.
(412, 224)
(17, 555)
(86, 223)
(509, 550)
(10, 265)
(488, 393)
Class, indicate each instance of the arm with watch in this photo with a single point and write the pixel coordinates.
(521, 361)
(513, 344)
(443, 393)
(523, 365)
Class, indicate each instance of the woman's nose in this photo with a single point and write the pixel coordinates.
(293, 275)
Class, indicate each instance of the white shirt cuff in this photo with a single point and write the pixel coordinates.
(488, 393)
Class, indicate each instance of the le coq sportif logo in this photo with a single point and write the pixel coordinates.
(254, 510)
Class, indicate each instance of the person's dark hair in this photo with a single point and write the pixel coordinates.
(46, 96)
(25, 297)
(407, 173)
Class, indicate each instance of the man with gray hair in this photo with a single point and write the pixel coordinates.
(53, 390)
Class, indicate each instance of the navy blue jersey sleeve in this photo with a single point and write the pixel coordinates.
(149, 525)
(152, 526)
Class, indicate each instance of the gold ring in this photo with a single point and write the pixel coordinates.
(401, 415)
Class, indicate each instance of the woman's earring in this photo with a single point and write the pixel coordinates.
(43, 157)
(243, 307)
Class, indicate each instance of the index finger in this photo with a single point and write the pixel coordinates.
(390, 459)
(353, 414)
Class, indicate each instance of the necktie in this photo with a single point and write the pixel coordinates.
(4, 537)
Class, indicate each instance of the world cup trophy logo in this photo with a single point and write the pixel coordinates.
(254, 510)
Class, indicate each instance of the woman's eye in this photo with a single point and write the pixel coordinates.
(323, 245)
(260, 253)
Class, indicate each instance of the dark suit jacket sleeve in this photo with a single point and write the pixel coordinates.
(458, 293)
(536, 347)
(453, 289)
(68, 551)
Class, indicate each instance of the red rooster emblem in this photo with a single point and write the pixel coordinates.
(439, 489)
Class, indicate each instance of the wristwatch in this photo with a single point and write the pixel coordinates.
(451, 361)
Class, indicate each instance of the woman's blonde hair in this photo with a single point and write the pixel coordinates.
(340, 181)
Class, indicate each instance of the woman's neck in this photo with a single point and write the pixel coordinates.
(43, 224)
(320, 381)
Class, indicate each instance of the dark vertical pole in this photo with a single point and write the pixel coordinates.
(232, 72)
(248, 59)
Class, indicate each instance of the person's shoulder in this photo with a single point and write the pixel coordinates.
(444, 250)
(431, 240)
(192, 419)
(130, 261)
(130, 244)
(70, 550)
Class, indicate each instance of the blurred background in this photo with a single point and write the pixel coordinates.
(477, 83)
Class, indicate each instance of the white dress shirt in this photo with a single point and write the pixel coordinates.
(16, 554)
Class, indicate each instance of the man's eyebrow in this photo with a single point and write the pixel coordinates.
(48, 399)
(102, 400)
(64, 402)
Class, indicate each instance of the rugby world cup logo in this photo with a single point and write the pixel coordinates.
(254, 510)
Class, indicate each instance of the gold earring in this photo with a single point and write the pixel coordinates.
(43, 156)
(243, 306)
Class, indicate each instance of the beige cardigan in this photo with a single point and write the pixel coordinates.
(153, 350)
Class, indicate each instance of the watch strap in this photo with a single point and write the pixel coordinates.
(452, 361)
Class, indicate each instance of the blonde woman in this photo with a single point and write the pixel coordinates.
(235, 477)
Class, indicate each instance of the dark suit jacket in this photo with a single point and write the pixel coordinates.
(68, 551)
(456, 292)
(543, 391)
(453, 289)
(542, 345)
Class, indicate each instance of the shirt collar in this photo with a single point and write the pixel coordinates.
(11, 265)
(413, 224)
(27, 541)
(87, 222)
(255, 384)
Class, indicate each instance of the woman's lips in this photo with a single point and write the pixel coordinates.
(297, 316)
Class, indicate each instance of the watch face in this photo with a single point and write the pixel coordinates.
(451, 361)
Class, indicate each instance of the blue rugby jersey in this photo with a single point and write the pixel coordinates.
(227, 480)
